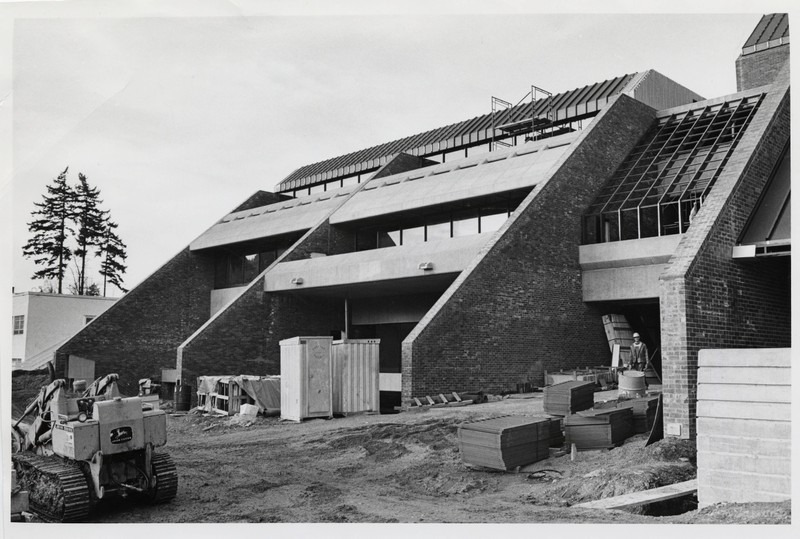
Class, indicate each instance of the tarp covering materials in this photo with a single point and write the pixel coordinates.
(264, 390)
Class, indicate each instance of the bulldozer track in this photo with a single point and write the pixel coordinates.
(66, 497)
(166, 476)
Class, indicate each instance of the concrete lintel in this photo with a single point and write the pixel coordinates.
(391, 263)
(638, 252)
(627, 283)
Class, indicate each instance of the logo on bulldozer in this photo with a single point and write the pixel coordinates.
(120, 435)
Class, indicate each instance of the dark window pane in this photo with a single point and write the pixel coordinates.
(630, 225)
(221, 272)
(265, 259)
(648, 216)
(669, 219)
(235, 276)
(610, 227)
(366, 239)
(250, 267)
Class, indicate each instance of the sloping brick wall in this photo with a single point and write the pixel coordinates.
(710, 300)
(760, 68)
(139, 334)
(518, 308)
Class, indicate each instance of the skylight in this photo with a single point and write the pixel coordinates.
(668, 175)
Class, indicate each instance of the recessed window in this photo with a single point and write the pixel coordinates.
(239, 267)
(479, 219)
(19, 324)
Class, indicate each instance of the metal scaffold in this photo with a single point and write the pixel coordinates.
(531, 117)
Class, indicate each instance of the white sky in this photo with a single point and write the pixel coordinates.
(177, 119)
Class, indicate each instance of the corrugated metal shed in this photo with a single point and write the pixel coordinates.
(772, 30)
(564, 107)
(356, 376)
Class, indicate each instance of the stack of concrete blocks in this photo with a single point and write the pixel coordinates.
(744, 425)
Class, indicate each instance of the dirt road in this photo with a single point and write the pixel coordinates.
(401, 468)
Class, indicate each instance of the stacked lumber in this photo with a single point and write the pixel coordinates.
(599, 429)
(504, 443)
(644, 412)
(568, 397)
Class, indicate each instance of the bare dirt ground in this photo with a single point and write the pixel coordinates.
(405, 468)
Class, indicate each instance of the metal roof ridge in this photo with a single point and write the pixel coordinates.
(445, 134)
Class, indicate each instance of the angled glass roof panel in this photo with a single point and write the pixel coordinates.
(675, 163)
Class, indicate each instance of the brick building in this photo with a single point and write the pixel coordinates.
(485, 252)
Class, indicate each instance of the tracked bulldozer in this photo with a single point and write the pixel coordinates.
(82, 448)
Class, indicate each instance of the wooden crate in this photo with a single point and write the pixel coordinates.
(228, 397)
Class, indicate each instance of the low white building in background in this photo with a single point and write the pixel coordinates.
(41, 322)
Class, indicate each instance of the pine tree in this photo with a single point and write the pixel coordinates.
(48, 244)
(90, 221)
(112, 252)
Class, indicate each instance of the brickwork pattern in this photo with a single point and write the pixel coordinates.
(760, 68)
(139, 334)
(518, 309)
(710, 300)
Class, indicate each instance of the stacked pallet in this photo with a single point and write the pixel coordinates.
(504, 443)
(644, 412)
(599, 429)
(568, 397)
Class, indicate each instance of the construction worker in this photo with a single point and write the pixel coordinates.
(639, 359)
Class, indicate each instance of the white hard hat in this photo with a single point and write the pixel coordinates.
(636, 335)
